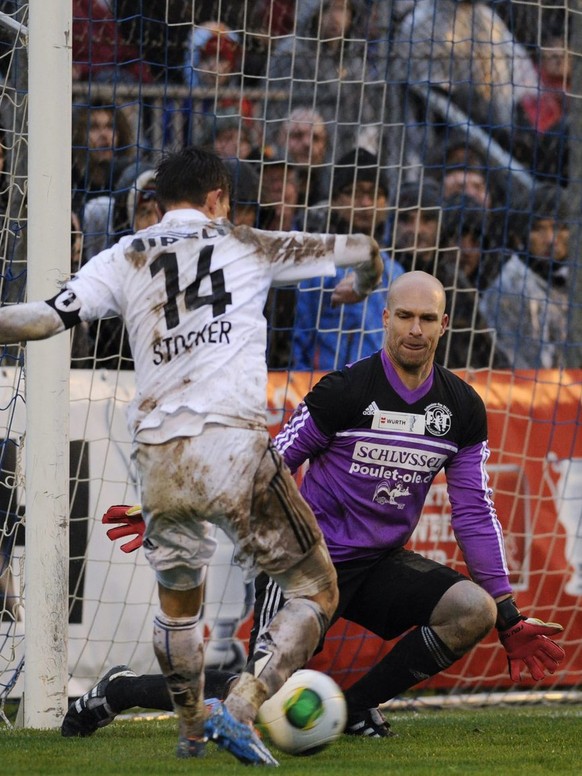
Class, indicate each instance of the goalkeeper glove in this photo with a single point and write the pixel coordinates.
(526, 642)
(131, 522)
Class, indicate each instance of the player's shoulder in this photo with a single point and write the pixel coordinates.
(364, 367)
(150, 237)
(458, 388)
(338, 400)
(295, 244)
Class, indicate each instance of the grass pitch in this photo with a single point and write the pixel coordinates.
(492, 741)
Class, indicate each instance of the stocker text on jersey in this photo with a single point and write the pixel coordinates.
(216, 332)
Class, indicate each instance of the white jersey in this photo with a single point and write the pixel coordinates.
(191, 292)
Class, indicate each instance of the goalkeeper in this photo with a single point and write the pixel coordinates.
(375, 435)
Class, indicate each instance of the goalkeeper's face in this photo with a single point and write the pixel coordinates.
(414, 322)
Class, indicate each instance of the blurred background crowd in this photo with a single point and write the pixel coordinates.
(439, 126)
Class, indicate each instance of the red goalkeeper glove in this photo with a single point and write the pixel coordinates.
(526, 642)
(131, 522)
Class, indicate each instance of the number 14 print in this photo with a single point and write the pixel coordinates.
(219, 298)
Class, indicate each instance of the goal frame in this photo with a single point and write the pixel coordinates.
(47, 366)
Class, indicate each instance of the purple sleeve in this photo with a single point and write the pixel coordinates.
(474, 519)
(300, 439)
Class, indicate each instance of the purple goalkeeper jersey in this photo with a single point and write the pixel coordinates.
(374, 448)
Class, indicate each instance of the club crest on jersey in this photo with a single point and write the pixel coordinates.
(438, 419)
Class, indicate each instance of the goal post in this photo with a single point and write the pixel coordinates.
(47, 366)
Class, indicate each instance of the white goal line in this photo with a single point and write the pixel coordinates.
(474, 700)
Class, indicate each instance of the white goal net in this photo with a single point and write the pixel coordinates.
(451, 131)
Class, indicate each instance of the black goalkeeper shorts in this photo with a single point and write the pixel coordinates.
(387, 596)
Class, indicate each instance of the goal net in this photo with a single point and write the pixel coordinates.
(450, 131)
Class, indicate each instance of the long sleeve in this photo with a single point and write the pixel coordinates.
(300, 439)
(474, 519)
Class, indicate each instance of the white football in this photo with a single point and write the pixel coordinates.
(306, 714)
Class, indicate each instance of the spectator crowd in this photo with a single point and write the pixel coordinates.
(330, 114)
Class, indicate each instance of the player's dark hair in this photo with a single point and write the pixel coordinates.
(188, 175)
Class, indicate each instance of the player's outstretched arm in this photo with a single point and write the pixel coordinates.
(30, 321)
(527, 643)
(369, 274)
(357, 285)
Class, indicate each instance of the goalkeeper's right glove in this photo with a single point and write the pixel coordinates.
(131, 522)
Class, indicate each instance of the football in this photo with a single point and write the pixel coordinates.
(306, 714)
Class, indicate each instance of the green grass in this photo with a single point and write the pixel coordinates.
(496, 741)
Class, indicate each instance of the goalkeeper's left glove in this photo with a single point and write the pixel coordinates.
(526, 642)
(131, 522)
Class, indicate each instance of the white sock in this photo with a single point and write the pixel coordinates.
(179, 647)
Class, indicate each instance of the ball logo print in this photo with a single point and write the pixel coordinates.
(303, 708)
(306, 715)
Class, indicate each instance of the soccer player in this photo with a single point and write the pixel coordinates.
(376, 434)
(191, 291)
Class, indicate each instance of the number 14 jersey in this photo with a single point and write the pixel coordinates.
(192, 292)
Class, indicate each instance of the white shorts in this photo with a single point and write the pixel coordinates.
(234, 478)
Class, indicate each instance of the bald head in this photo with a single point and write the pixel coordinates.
(414, 321)
(418, 285)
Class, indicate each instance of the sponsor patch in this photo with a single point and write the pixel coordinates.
(398, 457)
(399, 421)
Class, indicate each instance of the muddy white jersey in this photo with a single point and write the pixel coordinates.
(191, 292)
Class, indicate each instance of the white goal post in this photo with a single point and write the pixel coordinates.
(47, 365)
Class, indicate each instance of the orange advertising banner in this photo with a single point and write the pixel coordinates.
(536, 475)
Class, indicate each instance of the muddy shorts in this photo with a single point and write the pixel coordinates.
(234, 478)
